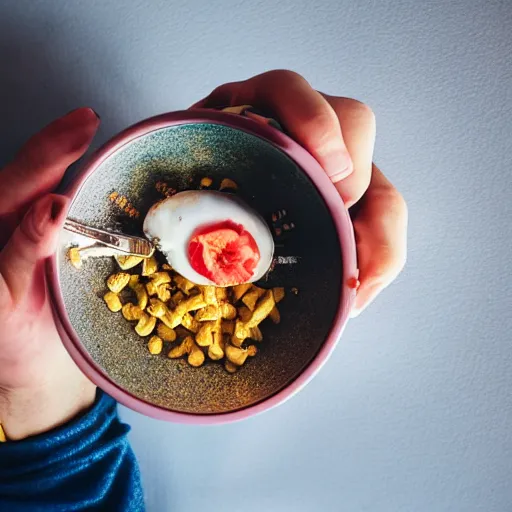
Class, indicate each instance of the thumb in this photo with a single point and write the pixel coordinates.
(33, 241)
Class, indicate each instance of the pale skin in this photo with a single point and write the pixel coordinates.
(40, 386)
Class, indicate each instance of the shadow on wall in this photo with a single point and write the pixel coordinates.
(44, 73)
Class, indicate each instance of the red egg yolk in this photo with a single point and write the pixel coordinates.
(224, 252)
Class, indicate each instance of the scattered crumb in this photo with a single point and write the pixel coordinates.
(123, 203)
(227, 183)
(206, 182)
(165, 189)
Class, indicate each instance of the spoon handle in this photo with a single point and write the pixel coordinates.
(130, 245)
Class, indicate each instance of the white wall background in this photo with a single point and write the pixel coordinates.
(413, 412)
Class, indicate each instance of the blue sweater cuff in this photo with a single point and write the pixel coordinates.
(86, 464)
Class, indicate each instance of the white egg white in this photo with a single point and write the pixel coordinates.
(172, 222)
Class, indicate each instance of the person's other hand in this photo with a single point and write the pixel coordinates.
(40, 386)
(340, 134)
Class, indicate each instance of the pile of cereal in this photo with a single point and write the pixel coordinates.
(197, 321)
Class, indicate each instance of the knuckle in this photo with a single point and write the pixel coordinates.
(282, 74)
(364, 111)
(398, 204)
(354, 109)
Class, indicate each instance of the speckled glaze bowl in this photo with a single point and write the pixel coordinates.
(272, 172)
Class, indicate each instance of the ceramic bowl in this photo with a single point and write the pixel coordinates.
(273, 173)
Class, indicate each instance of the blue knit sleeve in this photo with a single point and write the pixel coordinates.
(86, 464)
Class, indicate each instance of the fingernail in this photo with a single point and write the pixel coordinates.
(338, 166)
(81, 115)
(40, 215)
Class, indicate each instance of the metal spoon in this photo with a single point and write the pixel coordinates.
(126, 244)
(278, 275)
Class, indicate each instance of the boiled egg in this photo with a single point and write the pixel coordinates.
(211, 238)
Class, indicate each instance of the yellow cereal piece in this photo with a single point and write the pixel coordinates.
(149, 266)
(240, 335)
(206, 182)
(204, 337)
(190, 323)
(190, 347)
(212, 312)
(274, 315)
(173, 319)
(139, 290)
(113, 301)
(230, 367)
(74, 257)
(255, 334)
(260, 291)
(263, 309)
(207, 314)
(177, 297)
(222, 294)
(227, 311)
(237, 355)
(184, 284)
(155, 345)
(116, 282)
(141, 294)
(216, 349)
(210, 294)
(145, 325)
(227, 183)
(132, 312)
(196, 356)
(159, 278)
(163, 292)
(157, 308)
(165, 332)
(244, 314)
(240, 290)
(250, 299)
(192, 304)
(166, 266)
(151, 288)
(243, 327)
(278, 294)
(3, 437)
(127, 262)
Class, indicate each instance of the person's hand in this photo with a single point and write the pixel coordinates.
(340, 134)
(40, 386)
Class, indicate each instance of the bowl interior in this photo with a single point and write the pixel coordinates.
(269, 181)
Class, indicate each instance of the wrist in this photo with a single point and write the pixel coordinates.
(31, 410)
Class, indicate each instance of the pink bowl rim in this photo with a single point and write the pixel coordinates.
(309, 165)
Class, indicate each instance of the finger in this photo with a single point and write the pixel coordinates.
(219, 97)
(381, 239)
(305, 114)
(40, 164)
(357, 122)
(31, 243)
